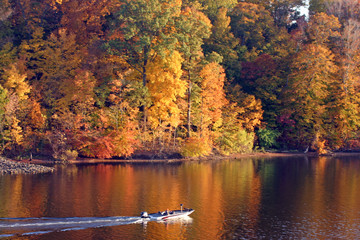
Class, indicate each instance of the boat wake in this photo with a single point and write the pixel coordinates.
(10, 227)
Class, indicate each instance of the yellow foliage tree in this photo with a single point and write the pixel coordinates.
(234, 137)
(15, 132)
(248, 109)
(15, 82)
(165, 87)
(17, 90)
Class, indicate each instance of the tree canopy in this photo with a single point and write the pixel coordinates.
(156, 78)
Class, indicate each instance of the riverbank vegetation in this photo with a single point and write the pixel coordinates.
(123, 78)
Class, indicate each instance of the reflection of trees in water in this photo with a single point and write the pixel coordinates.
(232, 198)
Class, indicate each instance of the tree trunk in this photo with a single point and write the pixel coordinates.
(188, 124)
(144, 78)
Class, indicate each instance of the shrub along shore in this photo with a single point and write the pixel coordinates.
(13, 167)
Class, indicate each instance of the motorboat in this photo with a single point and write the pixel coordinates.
(183, 212)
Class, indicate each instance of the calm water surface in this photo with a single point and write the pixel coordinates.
(279, 198)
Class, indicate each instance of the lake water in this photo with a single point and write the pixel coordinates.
(277, 198)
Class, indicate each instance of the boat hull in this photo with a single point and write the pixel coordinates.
(169, 215)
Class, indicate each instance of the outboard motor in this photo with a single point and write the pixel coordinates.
(144, 215)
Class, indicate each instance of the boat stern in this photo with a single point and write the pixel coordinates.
(144, 215)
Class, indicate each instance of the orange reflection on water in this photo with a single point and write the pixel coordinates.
(319, 196)
(14, 203)
(208, 191)
(254, 199)
(242, 187)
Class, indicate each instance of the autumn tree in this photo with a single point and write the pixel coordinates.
(123, 116)
(212, 97)
(208, 115)
(54, 66)
(240, 117)
(5, 10)
(7, 57)
(192, 28)
(313, 80)
(313, 76)
(15, 82)
(254, 26)
(28, 15)
(113, 131)
(85, 76)
(75, 109)
(223, 42)
(345, 108)
(283, 12)
(322, 28)
(264, 53)
(234, 137)
(351, 73)
(3, 102)
(212, 7)
(166, 87)
(50, 62)
(34, 53)
(34, 125)
(317, 6)
(136, 40)
(343, 9)
(264, 77)
(140, 30)
(84, 19)
(249, 111)
(6, 33)
(262, 42)
(17, 90)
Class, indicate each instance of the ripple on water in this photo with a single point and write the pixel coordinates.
(274, 227)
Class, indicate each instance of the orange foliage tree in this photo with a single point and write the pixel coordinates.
(115, 128)
(84, 18)
(314, 80)
(212, 97)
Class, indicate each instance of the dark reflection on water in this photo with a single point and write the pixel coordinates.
(277, 198)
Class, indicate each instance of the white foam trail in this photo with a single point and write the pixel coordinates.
(35, 233)
(6, 235)
(37, 226)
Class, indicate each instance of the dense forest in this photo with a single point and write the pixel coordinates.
(124, 78)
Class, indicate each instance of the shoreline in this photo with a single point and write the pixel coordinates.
(9, 166)
(197, 159)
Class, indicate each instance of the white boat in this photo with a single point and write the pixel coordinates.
(167, 214)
